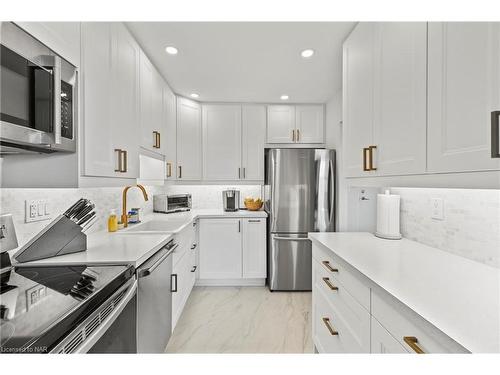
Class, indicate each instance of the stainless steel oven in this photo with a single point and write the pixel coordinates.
(38, 105)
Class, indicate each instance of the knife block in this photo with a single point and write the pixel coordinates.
(61, 236)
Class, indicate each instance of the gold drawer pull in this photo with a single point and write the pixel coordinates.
(329, 267)
(329, 326)
(412, 342)
(330, 285)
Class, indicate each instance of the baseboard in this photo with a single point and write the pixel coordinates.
(230, 282)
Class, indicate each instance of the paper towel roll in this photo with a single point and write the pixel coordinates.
(388, 216)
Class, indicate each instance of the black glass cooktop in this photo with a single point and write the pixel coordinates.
(39, 305)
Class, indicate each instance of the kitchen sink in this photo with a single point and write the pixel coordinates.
(155, 226)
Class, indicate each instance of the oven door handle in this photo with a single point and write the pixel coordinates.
(89, 341)
(57, 99)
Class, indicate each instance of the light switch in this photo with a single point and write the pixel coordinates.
(437, 208)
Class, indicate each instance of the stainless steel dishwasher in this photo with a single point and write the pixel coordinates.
(154, 301)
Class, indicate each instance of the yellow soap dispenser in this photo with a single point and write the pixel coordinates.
(112, 222)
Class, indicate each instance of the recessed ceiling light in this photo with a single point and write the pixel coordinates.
(307, 53)
(171, 50)
(194, 95)
(284, 97)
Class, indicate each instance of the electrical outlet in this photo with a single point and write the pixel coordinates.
(437, 208)
(37, 210)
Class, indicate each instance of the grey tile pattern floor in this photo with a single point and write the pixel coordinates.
(243, 320)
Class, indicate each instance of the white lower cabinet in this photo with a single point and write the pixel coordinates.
(232, 251)
(184, 270)
(354, 315)
(253, 249)
(382, 341)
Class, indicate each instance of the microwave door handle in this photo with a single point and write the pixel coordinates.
(57, 99)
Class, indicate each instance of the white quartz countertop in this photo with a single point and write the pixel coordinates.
(124, 247)
(459, 296)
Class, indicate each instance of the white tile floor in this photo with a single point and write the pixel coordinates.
(243, 320)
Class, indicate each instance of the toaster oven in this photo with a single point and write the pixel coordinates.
(171, 203)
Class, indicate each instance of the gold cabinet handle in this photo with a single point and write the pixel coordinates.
(412, 342)
(156, 139)
(159, 139)
(370, 165)
(329, 326)
(125, 162)
(329, 284)
(180, 171)
(293, 135)
(169, 169)
(298, 135)
(119, 156)
(329, 267)
(366, 156)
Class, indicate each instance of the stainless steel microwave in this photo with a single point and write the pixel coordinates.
(38, 96)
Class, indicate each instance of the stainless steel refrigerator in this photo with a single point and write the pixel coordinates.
(299, 196)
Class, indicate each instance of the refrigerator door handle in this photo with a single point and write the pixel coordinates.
(331, 192)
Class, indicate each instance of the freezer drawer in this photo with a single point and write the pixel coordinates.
(289, 262)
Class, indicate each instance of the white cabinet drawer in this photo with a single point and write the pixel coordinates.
(340, 272)
(412, 331)
(186, 240)
(340, 328)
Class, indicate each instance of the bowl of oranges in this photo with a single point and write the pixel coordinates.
(253, 204)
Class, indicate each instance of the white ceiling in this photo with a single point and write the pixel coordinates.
(247, 61)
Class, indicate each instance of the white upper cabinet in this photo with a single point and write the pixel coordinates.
(399, 128)
(252, 141)
(188, 140)
(152, 119)
(464, 88)
(110, 61)
(280, 124)
(125, 110)
(384, 77)
(358, 77)
(295, 124)
(310, 124)
(146, 100)
(96, 80)
(169, 141)
(221, 142)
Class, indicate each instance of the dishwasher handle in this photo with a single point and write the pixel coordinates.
(148, 271)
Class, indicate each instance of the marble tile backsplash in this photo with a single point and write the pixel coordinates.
(13, 201)
(210, 196)
(471, 225)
